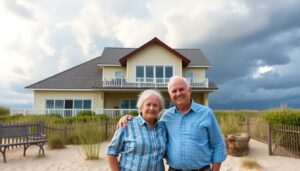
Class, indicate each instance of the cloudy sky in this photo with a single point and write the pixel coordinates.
(253, 45)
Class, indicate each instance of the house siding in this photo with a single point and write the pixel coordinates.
(109, 71)
(154, 55)
(95, 96)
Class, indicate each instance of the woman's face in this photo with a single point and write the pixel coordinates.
(150, 108)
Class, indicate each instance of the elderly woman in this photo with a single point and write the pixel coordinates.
(142, 144)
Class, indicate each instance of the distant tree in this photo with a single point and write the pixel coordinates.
(4, 111)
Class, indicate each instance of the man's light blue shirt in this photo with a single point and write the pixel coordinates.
(194, 139)
(140, 147)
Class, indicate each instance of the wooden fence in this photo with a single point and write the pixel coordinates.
(107, 127)
(283, 140)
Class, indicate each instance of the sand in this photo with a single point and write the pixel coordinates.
(71, 159)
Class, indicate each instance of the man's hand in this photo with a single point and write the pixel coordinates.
(124, 121)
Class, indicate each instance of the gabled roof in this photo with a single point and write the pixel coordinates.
(185, 61)
(88, 75)
(111, 56)
(84, 76)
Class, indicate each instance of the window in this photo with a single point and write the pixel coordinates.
(168, 72)
(59, 104)
(49, 104)
(140, 73)
(154, 73)
(69, 104)
(87, 104)
(189, 76)
(128, 104)
(149, 73)
(118, 74)
(78, 104)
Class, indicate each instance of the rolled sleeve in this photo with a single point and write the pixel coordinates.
(116, 144)
(216, 140)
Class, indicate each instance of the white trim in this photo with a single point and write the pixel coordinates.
(198, 66)
(104, 65)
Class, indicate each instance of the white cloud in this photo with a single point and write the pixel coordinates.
(262, 71)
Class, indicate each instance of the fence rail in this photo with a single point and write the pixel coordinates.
(108, 128)
(283, 140)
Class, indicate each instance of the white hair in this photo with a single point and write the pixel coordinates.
(147, 93)
(175, 77)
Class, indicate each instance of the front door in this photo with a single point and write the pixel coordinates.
(68, 107)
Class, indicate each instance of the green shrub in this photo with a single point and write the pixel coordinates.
(85, 113)
(4, 111)
(55, 142)
(231, 123)
(90, 137)
(134, 113)
(283, 116)
(73, 138)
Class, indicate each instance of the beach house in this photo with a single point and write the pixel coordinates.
(110, 84)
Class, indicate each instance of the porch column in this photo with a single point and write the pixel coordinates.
(205, 96)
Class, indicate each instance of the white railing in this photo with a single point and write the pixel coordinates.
(149, 82)
(72, 112)
(62, 112)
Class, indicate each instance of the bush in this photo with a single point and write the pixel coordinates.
(55, 142)
(134, 113)
(4, 111)
(90, 137)
(73, 138)
(283, 116)
(85, 113)
(231, 123)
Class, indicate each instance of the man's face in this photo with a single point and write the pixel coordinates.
(179, 93)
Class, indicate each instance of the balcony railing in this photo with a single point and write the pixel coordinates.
(71, 112)
(150, 82)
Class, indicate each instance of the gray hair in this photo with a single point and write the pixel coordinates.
(147, 93)
(177, 77)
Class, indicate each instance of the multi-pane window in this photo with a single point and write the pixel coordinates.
(189, 76)
(128, 104)
(154, 73)
(68, 104)
(118, 74)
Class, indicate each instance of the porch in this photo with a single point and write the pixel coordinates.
(71, 112)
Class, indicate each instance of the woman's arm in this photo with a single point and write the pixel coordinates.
(113, 162)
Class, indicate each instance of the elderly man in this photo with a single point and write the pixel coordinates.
(195, 141)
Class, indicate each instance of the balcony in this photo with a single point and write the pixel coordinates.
(150, 82)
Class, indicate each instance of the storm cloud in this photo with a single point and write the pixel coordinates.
(253, 46)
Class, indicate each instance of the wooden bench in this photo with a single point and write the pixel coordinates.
(21, 134)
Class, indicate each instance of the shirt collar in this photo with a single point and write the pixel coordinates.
(193, 107)
(141, 121)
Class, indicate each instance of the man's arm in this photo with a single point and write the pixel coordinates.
(216, 166)
(124, 121)
(113, 162)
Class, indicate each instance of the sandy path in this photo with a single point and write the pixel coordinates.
(72, 159)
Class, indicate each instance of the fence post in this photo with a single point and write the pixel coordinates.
(65, 134)
(42, 127)
(106, 129)
(270, 138)
(247, 125)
